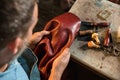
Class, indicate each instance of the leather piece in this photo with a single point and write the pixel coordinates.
(63, 30)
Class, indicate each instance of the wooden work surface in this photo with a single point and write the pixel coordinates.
(87, 10)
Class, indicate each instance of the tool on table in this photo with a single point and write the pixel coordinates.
(109, 46)
(95, 24)
(92, 27)
(85, 32)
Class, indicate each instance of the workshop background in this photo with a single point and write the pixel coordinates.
(49, 9)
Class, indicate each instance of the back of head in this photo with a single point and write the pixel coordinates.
(15, 18)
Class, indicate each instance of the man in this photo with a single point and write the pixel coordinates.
(17, 20)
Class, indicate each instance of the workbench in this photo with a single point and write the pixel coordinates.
(87, 10)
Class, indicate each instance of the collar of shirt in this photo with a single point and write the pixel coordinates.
(14, 72)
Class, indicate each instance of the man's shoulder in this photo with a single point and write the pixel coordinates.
(28, 61)
(29, 56)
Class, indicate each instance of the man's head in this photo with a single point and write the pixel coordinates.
(17, 20)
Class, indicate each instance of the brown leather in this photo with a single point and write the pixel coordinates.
(63, 30)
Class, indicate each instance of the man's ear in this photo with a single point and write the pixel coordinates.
(13, 46)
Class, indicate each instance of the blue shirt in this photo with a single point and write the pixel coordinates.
(14, 72)
(25, 68)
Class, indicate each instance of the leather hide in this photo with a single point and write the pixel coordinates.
(63, 30)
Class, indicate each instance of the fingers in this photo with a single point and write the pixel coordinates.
(61, 61)
(42, 33)
(59, 65)
(65, 56)
(36, 37)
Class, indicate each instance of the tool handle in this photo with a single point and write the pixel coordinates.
(100, 24)
(85, 32)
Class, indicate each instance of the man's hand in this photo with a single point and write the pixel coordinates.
(59, 65)
(36, 37)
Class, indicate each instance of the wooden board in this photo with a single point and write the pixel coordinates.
(97, 60)
(87, 10)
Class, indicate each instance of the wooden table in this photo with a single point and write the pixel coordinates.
(87, 10)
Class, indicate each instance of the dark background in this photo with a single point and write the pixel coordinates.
(47, 10)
